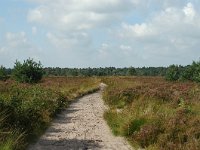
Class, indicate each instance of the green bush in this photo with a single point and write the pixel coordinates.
(195, 71)
(131, 71)
(28, 72)
(3, 74)
(187, 73)
(190, 72)
(173, 73)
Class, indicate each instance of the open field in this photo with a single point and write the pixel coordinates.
(149, 112)
(26, 110)
(153, 113)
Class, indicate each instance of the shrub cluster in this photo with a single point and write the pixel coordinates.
(190, 72)
(27, 72)
(29, 110)
(3, 74)
(26, 109)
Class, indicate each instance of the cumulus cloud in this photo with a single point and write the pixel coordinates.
(137, 30)
(17, 46)
(80, 15)
(189, 10)
(70, 41)
(109, 32)
(72, 23)
(126, 49)
(35, 15)
(170, 36)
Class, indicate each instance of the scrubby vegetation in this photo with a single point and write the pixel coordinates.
(153, 113)
(180, 73)
(27, 72)
(108, 71)
(26, 110)
(3, 74)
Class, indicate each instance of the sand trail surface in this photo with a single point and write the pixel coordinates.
(81, 127)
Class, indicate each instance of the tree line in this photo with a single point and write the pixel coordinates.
(31, 72)
(107, 71)
(183, 73)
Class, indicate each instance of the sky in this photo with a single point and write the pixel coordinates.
(100, 33)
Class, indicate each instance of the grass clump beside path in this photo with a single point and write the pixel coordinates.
(26, 110)
(153, 113)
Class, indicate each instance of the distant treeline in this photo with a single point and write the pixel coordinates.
(187, 73)
(108, 71)
(173, 72)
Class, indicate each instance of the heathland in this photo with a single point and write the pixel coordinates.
(150, 112)
(26, 110)
(153, 113)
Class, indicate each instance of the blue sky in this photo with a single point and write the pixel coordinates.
(100, 33)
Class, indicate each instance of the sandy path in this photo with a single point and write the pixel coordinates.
(81, 126)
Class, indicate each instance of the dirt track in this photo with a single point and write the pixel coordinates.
(81, 126)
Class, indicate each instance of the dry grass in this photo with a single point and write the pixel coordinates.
(153, 113)
(71, 87)
(26, 110)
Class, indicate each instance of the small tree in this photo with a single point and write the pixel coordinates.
(173, 73)
(195, 69)
(28, 72)
(131, 71)
(3, 74)
(187, 73)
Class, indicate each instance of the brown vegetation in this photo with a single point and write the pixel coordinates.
(26, 110)
(153, 113)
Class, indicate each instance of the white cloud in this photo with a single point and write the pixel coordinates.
(17, 46)
(34, 30)
(67, 20)
(35, 15)
(16, 39)
(103, 51)
(69, 42)
(126, 49)
(170, 36)
(138, 30)
(132, 32)
(189, 10)
(80, 15)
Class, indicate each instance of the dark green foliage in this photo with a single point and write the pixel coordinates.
(28, 72)
(190, 72)
(187, 73)
(131, 71)
(108, 71)
(195, 71)
(3, 74)
(173, 73)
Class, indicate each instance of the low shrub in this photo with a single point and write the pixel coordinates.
(27, 72)
(3, 74)
(133, 126)
(156, 114)
(29, 109)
